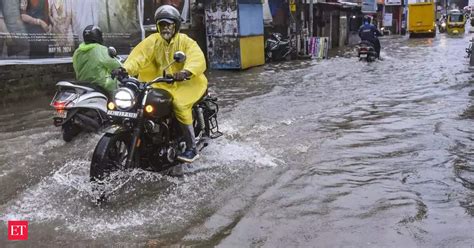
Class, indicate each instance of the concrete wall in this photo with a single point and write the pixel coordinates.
(34, 80)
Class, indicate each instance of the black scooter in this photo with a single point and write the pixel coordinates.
(366, 51)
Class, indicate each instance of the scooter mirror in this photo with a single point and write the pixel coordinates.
(112, 52)
(179, 57)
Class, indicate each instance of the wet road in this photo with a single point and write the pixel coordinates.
(336, 153)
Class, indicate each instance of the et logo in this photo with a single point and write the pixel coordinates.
(17, 230)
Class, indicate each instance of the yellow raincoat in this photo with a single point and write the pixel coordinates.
(148, 59)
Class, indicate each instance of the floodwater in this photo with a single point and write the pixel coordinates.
(333, 153)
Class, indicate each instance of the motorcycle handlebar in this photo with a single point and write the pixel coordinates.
(167, 79)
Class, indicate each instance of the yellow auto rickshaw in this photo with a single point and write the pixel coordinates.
(455, 22)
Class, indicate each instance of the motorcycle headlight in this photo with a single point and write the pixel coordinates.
(443, 24)
(124, 99)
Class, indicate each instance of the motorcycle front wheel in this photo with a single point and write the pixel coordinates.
(110, 155)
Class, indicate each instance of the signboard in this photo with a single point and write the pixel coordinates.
(387, 19)
(393, 2)
(369, 6)
(292, 6)
(53, 28)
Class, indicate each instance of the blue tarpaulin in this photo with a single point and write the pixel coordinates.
(278, 5)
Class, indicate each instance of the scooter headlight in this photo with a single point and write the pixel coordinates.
(124, 99)
(443, 24)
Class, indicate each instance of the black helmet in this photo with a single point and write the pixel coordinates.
(367, 19)
(92, 34)
(168, 14)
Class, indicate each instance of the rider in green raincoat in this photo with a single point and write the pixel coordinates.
(91, 61)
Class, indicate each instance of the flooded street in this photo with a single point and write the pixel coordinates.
(333, 153)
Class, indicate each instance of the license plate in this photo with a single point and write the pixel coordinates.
(122, 114)
(60, 114)
(363, 55)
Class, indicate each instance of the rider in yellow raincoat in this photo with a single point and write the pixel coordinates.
(152, 55)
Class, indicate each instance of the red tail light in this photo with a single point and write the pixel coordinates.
(363, 49)
(59, 105)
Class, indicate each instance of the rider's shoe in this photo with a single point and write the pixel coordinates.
(188, 156)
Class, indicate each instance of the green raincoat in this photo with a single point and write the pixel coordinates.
(92, 63)
(152, 55)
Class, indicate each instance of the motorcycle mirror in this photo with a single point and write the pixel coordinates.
(112, 52)
(179, 57)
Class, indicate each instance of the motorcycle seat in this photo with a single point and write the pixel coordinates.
(92, 86)
(202, 97)
(366, 42)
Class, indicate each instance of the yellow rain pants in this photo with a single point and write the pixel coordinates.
(148, 59)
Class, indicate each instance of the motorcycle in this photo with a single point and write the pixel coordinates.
(366, 51)
(277, 48)
(442, 26)
(79, 106)
(145, 133)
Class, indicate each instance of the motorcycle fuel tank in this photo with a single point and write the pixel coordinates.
(161, 102)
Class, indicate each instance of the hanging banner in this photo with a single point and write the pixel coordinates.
(32, 29)
(369, 6)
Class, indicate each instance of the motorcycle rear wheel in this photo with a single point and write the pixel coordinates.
(70, 130)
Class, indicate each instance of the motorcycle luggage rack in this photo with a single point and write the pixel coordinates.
(213, 125)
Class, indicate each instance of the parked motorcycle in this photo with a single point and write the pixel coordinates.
(146, 133)
(366, 51)
(277, 48)
(79, 106)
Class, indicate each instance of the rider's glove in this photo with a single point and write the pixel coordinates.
(182, 75)
(119, 73)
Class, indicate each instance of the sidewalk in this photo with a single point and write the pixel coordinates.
(35, 61)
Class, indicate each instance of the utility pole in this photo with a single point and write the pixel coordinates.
(310, 18)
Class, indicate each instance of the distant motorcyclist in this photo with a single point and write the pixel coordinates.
(368, 32)
(91, 61)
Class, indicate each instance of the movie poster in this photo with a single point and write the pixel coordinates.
(31, 29)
